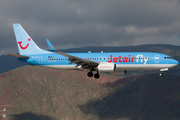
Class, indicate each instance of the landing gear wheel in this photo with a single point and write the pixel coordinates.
(96, 76)
(89, 74)
(160, 74)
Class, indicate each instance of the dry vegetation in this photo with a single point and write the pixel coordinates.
(49, 94)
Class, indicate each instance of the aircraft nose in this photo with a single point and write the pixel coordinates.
(175, 62)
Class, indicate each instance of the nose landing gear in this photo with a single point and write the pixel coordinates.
(160, 74)
(162, 70)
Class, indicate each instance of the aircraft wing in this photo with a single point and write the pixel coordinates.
(84, 63)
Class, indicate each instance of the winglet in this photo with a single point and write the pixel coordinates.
(50, 46)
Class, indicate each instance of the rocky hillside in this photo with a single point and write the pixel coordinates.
(38, 93)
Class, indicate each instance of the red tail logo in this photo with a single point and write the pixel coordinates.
(20, 44)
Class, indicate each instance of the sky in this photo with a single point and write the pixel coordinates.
(81, 23)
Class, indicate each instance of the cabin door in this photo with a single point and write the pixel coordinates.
(40, 60)
(156, 58)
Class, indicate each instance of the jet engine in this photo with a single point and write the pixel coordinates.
(106, 67)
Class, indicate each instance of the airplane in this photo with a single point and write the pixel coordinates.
(110, 62)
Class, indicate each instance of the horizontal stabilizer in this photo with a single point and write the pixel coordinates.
(16, 55)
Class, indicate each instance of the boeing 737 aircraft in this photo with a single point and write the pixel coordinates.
(112, 62)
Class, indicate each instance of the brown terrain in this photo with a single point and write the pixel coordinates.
(38, 93)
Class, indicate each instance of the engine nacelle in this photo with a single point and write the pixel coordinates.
(106, 67)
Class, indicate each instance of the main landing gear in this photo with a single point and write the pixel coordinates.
(90, 74)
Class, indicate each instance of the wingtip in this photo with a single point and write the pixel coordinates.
(16, 24)
(3, 52)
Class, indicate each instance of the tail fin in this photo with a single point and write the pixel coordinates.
(25, 43)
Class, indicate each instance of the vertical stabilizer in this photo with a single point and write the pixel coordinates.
(25, 43)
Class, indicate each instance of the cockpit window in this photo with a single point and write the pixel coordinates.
(167, 57)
